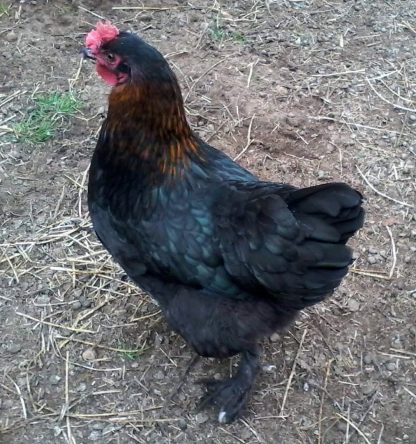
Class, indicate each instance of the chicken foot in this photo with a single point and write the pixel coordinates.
(231, 395)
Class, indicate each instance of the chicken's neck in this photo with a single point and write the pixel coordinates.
(147, 123)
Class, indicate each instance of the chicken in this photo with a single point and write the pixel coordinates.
(229, 258)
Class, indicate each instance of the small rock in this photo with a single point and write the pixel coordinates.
(306, 387)
(269, 368)
(82, 387)
(372, 260)
(275, 337)
(367, 388)
(95, 435)
(202, 417)
(89, 354)
(86, 303)
(109, 429)
(14, 348)
(372, 250)
(57, 431)
(245, 434)
(353, 305)
(7, 404)
(391, 366)
(97, 426)
(43, 299)
(182, 424)
(342, 426)
(11, 36)
(321, 175)
(281, 91)
(368, 358)
(54, 379)
(159, 375)
(76, 305)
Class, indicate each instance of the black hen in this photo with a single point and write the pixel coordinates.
(229, 258)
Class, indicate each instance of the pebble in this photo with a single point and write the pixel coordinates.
(109, 429)
(353, 305)
(7, 404)
(246, 434)
(342, 426)
(95, 435)
(89, 354)
(372, 260)
(76, 305)
(281, 91)
(391, 366)
(368, 358)
(54, 379)
(86, 303)
(182, 424)
(275, 337)
(269, 368)
(367, 388)
(97, 426)
(43, 299)
(82, 387)
(159, 375)
(202, 417)
(11, 36)
(14, 348)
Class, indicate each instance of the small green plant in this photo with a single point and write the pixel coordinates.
(132, 355)
(47, 115)
(4, 10)
(219, 33)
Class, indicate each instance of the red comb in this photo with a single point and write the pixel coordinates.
(103, 33)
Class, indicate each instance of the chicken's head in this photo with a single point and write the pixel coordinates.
(119, 55)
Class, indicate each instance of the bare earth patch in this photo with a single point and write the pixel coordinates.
(298, 91)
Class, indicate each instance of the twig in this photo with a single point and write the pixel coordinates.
(321, 407)
(91, 12)
(358, 125)
(380, 434)
(410, 392)
(369, 274)
(292, 374)
(333, 74)
(22, 401)
(393, 252)
(77, 330)
(249, 140)
(405, 352)
(202, 75)
(93, 344)
(348, 421)
(145, 8)
(394, 105)
(71, 439)
(380, 193)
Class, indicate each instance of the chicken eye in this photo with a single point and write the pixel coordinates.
(110, 57)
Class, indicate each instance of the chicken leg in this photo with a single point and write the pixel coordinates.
(231, 395)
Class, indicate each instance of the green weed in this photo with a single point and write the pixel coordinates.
(4, 10)
(47, 115)
(219, 33)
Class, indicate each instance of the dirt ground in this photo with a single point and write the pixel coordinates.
(300, 92)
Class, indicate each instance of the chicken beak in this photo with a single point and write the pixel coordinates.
(86, 54)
